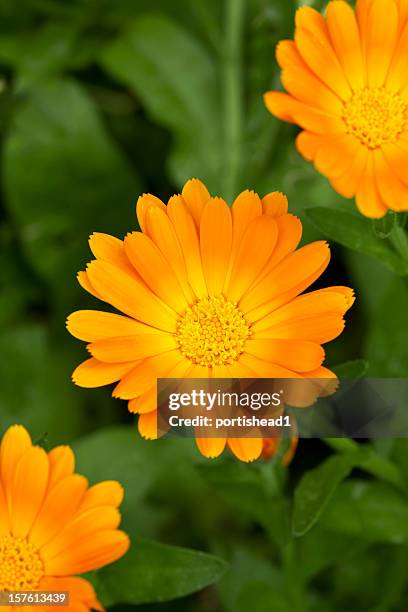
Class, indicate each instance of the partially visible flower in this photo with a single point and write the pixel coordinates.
(271, 447)
(53, 526)
(207, 291)
(347, 84)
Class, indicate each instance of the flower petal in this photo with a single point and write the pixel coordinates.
(28, 490)
(196, 195)
(345, 38)
(215, 243)
(101, 548)
(92, 325)
(188, 237)
(129, 296)
(93, 373)
(246, 449)
(132, 348)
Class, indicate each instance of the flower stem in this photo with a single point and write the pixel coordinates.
(233, 97)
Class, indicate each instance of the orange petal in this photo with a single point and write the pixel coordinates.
(275, 204)
(296, 355)
(147, 425)
(381, 38)
(319, 329)
(333, 155)
(246, 449)
(58, 509)
(16, 441)
(308, 144)
(129, 296)
(314, 45)
(187, 235)
(211, 447)
(28, 490)
(287, 108)
(288, 56)
(161, 231)
(296, 268)
(100, 549)
(144, 375)
(266, 369)
(215, 243)
(396, 155)
(91, 325)
(310, 305)
(303, 85)
(349, 182)
(254, 251)
(106, 493)
(155, 270)
(93, 373)
(85, 283)
(111, 249)
(82, 527)
(392, 191)
(346, 42)
(61, 461)
(196, 195)
(146, 201)
(4, 514)
(368, 199)
(145, 402)
(132, 348)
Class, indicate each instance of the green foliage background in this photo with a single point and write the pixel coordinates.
(103, 100)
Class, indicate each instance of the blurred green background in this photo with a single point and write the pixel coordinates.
(102, 100)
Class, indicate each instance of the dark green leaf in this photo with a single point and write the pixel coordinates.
(355, 232)
(153, 572)
(351, 369)
(155, 57)
(64, 178)
(316, 488)
(387, 340)
(370, 510)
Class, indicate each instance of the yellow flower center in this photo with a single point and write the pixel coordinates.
(212, 332)
(375, 116)
(21, 568)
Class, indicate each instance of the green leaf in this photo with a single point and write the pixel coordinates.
(351, 369)
(316, 488)
(387, 339)
(355, 232)
(370, 510)
(245, 488)
(175, 78)
(119, 453)
(153, 572)
(64, 179)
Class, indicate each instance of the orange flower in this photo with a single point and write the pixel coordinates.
(52, 525)
(207, 291)
(271, 447)
(346, 77)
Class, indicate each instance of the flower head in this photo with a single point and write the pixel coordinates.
(346, 78)
(52, 525)
(206, 291)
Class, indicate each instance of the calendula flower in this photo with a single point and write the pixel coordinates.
(52, 525)
(207, 291)
(346, 78)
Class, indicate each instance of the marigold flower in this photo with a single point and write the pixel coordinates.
(346, 78)
(52, 525)
(207, 291)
